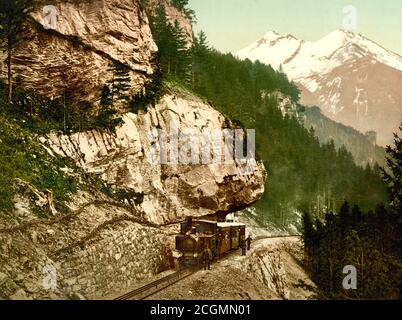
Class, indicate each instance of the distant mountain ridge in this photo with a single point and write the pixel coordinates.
(352, 79)
(362, 147)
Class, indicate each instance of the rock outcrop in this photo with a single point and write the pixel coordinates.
(278, 264)
(72, 43)
(170, 191)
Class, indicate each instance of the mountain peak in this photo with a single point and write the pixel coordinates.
(338, 72)
(340, 35)
(275, 35)
(301, 58)
(270, 34)
(343, 31)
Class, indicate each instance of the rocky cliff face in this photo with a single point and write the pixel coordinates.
(72, 43)
(168, 192)
(81, 40)
(100, 248)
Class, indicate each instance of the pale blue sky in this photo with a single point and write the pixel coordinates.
(233, 24)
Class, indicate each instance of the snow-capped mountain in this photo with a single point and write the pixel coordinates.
(353, 79)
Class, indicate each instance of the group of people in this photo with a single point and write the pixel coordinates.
(245, 245)
(207, 256)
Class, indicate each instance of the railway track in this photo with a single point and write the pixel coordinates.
(161, 284)
(279, 237)
(156, 286)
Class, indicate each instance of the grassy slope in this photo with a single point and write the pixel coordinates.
(23, 157)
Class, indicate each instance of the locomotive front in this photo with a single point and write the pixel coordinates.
(194, 237)
(189, 246)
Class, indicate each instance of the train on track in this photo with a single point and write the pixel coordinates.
(219, 237)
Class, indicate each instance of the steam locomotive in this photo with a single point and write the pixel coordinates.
(196, 235)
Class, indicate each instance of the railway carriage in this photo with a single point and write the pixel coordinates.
(233, 233)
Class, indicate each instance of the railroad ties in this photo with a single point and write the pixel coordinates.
(156, 286)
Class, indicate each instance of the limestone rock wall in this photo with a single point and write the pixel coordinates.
(170, 192)
(79, 44)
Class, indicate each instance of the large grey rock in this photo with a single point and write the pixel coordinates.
(171, 192)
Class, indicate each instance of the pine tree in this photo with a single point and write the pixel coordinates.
(182, 59)
(14, 15)
(344, 211)
(161, 33)
(394, 177)
(151, 94)
(180, 4)
(119, 85)
(173, 45)
(107, 115)
(357, 216)
(199, 55)
(106, 96)
(308, 237)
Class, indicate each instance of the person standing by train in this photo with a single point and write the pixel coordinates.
(219, 246)
(207, 258)
(248, 240)
(243, 246)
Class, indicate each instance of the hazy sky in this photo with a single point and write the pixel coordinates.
(233, 24)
